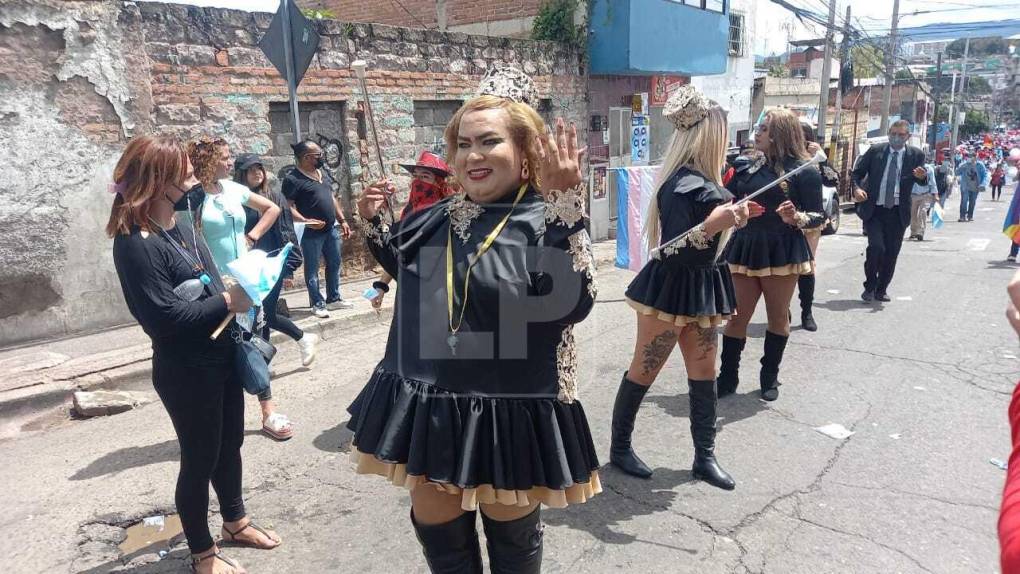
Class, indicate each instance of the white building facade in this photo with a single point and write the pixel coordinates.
(733, 89)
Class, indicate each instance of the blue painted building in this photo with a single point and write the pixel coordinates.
(637, 46)
(641, 37)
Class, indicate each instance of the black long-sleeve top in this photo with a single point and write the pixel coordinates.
(526, 292)
(149, 268)
(803, 189)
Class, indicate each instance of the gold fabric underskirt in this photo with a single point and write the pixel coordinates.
(703, 321)
(782, 271)
(470, 498)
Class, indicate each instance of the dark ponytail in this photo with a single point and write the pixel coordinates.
(302, 147)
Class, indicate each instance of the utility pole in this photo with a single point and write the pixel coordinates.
(889, 62)
(837, 125)
(823, 99)
(963, 96)
(935, 116)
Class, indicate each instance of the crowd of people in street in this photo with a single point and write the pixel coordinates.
(473, 408)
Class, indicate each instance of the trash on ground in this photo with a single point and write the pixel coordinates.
(833, 291)
(920, 389)
(905, 298)
(999, 463)
(155, 521)
(835, 430)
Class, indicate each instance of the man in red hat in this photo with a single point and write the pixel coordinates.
(429, 184)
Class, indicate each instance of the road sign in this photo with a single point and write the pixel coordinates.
(304, 39)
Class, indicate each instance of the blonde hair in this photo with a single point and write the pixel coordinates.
(525, 126)
(701, 148)
(787, 138)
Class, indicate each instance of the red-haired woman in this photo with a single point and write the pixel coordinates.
(173, 289)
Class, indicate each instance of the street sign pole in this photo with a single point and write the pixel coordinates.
(935, 115)
(288, 55)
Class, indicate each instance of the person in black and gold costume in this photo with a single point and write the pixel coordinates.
(768, 255)
(684, 295)
(474, 404)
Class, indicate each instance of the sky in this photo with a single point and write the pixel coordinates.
(875, 17)
(773, 20)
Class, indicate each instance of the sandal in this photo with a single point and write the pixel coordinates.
(215, 556)
(235, 542)
(278, 426)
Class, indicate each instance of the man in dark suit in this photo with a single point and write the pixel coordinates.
(883, 178)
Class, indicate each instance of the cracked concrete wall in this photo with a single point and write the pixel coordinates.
(72, 89)
(78, 77)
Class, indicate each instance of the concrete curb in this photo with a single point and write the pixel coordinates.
(121, 369)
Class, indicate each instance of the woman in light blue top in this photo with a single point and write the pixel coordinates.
(220, 217)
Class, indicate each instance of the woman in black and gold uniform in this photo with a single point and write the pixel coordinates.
(684, 295)
(475, 402)
(768, 255)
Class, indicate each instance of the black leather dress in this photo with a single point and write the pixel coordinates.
(689, 283)
(493, 418)
(768, 246)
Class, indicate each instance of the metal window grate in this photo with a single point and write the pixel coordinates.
(736, 42)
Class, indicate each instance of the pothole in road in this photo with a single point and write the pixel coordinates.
(151, 543)
(154, 534)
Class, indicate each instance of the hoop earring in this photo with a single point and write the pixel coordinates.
(525, 172)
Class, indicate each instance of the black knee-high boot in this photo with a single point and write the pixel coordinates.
(775, 345)
(706, 468)
(806, 287)
(451, 547)
(628, 401)
(729, 365)
(515, 546)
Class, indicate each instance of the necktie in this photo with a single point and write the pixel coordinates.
(890, 180)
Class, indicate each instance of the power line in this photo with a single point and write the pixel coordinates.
(416, 19)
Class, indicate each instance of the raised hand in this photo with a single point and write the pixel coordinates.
(374, 197)
(560, 158)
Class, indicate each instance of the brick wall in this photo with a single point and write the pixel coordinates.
(422, 13)
(86, 75)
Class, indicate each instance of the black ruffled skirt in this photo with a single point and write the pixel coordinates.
(488, 450)
(683, 294)
(764, 253)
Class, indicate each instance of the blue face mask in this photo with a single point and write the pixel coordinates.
(897, 142)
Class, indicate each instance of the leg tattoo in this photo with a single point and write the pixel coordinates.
(707, 339)
(657, 351)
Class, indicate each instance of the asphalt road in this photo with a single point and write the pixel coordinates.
(923, 382)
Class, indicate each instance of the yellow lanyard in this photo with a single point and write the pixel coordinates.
(482, 248)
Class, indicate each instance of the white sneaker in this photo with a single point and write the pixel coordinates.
(339, 304)
(309, 347)
(320, 312)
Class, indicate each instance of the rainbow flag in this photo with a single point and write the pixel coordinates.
(1011, 226)
(635, 187)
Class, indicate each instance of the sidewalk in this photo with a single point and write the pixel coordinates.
(44, 374)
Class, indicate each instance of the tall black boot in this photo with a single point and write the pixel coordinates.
(775, 345)
(451, 547)
(515, 547)
(806, 287)
(628, 401)
(706, 468)
(729, 367)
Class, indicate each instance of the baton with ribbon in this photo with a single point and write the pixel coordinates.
(817, 159)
